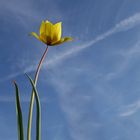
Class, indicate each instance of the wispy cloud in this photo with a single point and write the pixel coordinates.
(129, 109)
(123, 25)
(127, 55)
(76, 109)
(25, 12)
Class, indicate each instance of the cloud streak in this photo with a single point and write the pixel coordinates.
(123, 25)
(130, 109)
(128, 55)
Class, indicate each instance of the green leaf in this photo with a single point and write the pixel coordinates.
(19, 114)
(38, 113)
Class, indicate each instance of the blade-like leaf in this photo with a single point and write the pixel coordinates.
(38, 113)
(19, 114)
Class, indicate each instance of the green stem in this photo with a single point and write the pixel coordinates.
(19, 114)
(33, 96)
(38, 110)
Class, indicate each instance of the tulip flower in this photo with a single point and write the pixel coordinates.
(50, 34)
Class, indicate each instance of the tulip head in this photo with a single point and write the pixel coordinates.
(50, 34)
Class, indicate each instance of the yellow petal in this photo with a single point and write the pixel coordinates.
(66, 39)
(42, 27)
(62, 40)
(35, 35)
(56, 31)
(43, 38)
(48, 22)
(48, 29)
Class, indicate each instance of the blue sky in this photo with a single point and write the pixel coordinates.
(89, 88)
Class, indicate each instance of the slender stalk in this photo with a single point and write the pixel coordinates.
(33, 96)
(19, 114)
(38, 110)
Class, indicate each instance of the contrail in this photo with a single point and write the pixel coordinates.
(123, 25)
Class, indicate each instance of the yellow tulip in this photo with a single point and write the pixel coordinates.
(50, 34)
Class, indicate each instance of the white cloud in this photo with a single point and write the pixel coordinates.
(75, 109)
(125, 63)
(130, 109)
(123, 25)
(25, 12)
